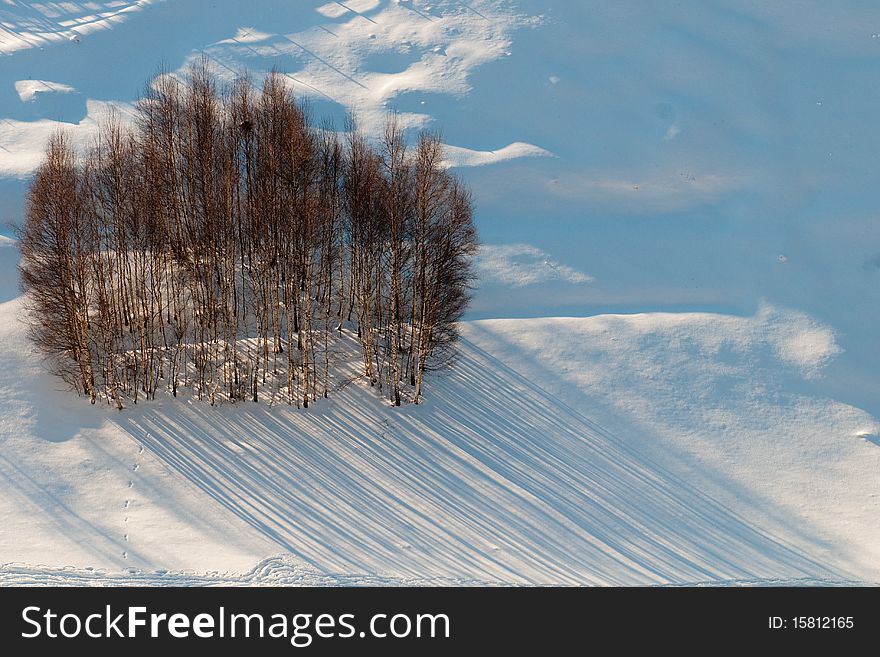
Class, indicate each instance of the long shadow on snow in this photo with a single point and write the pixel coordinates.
(491, 478)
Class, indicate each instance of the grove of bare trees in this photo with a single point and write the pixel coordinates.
(223, 245)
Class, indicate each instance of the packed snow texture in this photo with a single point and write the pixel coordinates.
(706, 167)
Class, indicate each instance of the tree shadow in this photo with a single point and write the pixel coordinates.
(492, 478)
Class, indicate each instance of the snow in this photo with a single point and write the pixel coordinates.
(40, 24)
(275, 571)
(719, 399)
(22, 142)
(519, 265)
(28, 25)
(367, 60)
(289, 571)
(645, 449)
(677, 204)
(456, 156)
(28, 89)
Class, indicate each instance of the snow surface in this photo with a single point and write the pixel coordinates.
(707, 167)
(696, 462)
(28, 89)
(38, 24)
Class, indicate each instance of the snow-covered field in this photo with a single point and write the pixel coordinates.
(678, 207)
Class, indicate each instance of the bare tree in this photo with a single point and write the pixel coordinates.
(221, 244)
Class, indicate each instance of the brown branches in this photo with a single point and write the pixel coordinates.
(222, 244)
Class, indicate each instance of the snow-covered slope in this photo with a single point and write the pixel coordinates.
(607, 450)
(708, 166)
